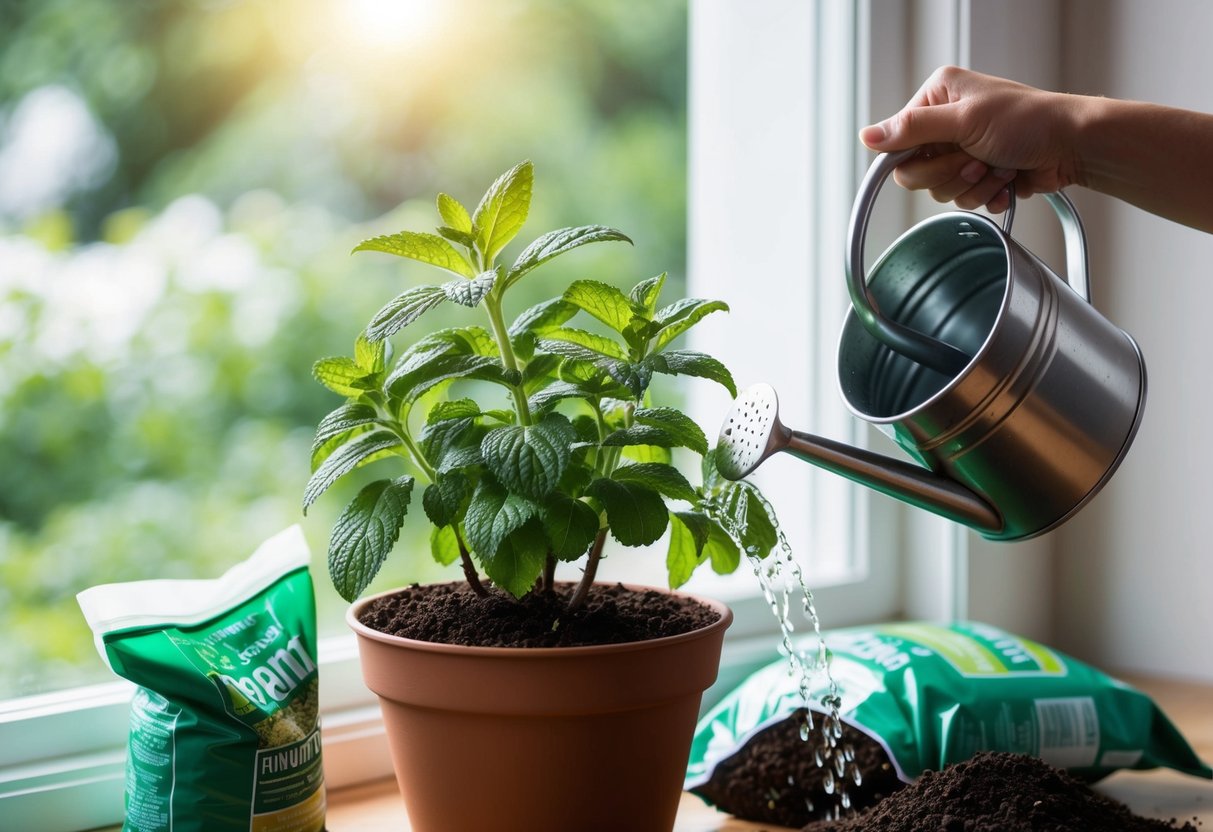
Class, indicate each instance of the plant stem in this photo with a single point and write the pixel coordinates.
(509, 361)
(469, 569)
(549, 574)
(591, 569)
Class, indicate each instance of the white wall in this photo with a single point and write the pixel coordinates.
(1134, 571)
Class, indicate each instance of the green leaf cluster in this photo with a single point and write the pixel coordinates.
(578, 453)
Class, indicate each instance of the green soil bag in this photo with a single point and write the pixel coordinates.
(224, 733)
(934, 694)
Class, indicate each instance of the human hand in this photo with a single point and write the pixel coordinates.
(978, 133)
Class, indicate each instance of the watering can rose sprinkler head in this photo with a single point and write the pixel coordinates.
(752, 433)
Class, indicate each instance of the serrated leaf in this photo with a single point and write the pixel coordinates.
(423, 247)
(440, 438)
(554, 392)
(402, 310)
(370, 356)
(460, 458)
(555, 243)
(463, 238)
(641, 435)
(529, 459)
(664, 479)
(600, 345)
(678, 317)
(635, 377)
(444, 544)
(343, 376)
(676, 424)
(570, 525)
(636, 513)
(691, 363)
(469, 340)
(445, 499)
(458, 409)
(503, 210)
(541, 316)
(345, 459)
(648, 453)
(343, 420)
(601, 300)
(365, 533)
(470, 292)
(721, 550)
(518, 560)
(492, 514)
(685, 553)
(644, 294)
(325, 449)
(447, 368)
(454, 214)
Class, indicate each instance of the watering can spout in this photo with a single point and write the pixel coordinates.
(752, 432)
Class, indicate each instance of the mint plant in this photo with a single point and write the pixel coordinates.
(572, 451)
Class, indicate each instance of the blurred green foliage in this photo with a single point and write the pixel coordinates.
(166, 285)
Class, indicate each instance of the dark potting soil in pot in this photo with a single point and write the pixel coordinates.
(774, 778)
(998, 792)
(453, 614)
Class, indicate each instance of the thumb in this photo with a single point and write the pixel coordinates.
(914, 126)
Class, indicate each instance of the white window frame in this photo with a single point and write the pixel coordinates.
(778, 68)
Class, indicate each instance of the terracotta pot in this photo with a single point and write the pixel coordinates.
(561, 739)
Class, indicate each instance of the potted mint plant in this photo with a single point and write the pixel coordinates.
(513, 700)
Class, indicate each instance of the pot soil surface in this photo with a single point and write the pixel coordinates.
(453, 614)
(998, 792)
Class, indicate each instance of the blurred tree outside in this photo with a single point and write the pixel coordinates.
(181, 182)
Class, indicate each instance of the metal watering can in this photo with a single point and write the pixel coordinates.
(1017, 397)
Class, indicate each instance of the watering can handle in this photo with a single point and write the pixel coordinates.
(922, 348)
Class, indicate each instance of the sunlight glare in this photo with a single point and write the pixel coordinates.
(382, 23)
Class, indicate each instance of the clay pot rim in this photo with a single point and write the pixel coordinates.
(721, 623)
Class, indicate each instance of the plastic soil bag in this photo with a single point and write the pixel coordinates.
(224, 732)
(918, 696)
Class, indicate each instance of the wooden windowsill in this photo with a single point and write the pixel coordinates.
(376, 807)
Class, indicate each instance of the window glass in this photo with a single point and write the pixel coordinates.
(181, 182)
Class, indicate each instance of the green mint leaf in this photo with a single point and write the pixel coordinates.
(403, 310)
(492, 514)
(688, 534)
(445, 499)
(690, 363)
(365, 533)
(440, 438)
(678, 317)
(721, 550)
(675, 423)
(556, 243)
(343, 376)
(343, 420)
(470, 292)
(444, 544)
(458, 458)
(543, 316)
(544, 398)
(370, 356)
(360, 450)
(644, 295)
(570, 525)
(603, 301)
(470, 340)
(518, 560)
(529, 459)
(326, 448)
(454, 235)
(458, 409)
(503, 210)
(554, 338)
(641, 435)
(635, 377)
(664, 479)
(454, 214)
(636, 513)
(409, 388)
(422, 247)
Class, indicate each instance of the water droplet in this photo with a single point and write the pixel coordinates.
(827, 781)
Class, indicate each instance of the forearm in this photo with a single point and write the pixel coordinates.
(1157, 158)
